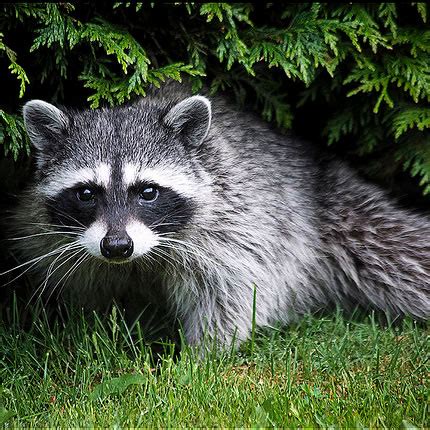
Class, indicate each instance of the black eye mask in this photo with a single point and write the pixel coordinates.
(160, 208)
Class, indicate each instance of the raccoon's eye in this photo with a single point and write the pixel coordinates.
(85, 194)
(149, 194)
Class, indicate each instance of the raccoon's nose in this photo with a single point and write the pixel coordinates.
(117, 246)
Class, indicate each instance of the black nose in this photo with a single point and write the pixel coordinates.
(117, 246)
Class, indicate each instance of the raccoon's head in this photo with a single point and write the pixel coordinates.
(122, 180)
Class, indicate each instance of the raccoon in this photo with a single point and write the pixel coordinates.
(185, 201)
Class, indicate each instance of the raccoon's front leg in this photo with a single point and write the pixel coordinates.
(215, 322)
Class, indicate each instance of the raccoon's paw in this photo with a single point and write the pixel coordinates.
(210, 341)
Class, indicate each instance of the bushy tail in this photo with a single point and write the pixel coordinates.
(381, 250)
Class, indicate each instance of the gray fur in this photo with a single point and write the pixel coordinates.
(271, 214)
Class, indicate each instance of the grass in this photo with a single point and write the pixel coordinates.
(326, 371)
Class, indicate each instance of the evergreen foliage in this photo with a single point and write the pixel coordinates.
(357, 74)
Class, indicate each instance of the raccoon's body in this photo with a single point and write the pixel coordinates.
(192, 204)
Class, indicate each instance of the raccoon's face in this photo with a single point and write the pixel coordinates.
(121, 180)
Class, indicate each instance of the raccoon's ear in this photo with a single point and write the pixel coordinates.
(191, 118)
(44, 123)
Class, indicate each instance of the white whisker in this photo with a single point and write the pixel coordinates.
(187, 248)
(36, 260)
(49, 226)
(48, 233)
(69, 272)
(41, 288)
